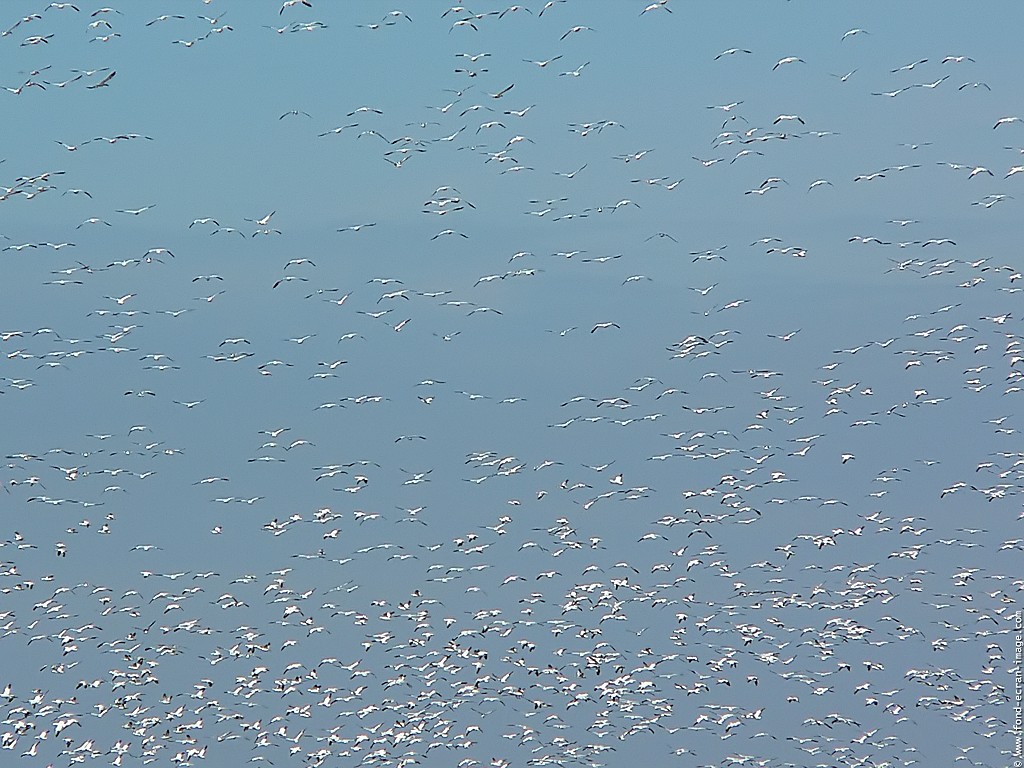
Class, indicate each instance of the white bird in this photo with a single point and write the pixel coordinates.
(136, 211)
(661, 5)
(104, 82)
(292, 3)
(574, 72)
(503, 91)
(163, 17)
(787, 60)
(264, 221)
(731, 52)
(847, 76)
(544, 62)
(910, 66)
(574, 30)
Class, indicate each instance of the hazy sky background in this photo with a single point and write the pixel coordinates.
(767, 301)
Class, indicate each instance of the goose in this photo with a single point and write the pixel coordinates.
(731, 52)
(787, 60)
(574, 30)
(910, 66)
(293, 3)
(543, 63)
(105, 82)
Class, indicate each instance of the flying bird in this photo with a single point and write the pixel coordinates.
(787, 60)
(104, 82)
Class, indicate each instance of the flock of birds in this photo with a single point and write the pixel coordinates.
(501, 464)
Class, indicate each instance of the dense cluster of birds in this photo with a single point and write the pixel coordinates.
(501, 464)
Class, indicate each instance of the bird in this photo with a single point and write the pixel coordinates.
(910, 66)
(543, 62)
(135, 211)
(93, 220)
(731, 52)
(574, 72)
(105, 82)
(787, 60)
(503, 91)
(264, 221)
(292, 3)
(164, 17)
(574, 30)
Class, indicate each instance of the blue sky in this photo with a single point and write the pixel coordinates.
(505, 381)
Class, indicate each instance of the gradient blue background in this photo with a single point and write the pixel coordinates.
(810, 575)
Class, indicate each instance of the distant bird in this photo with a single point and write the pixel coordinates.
(575, 72)
(574, 30)
(661, 5)
(910, 66)
(104, 82)
(293, 3)
(503, 91)
(545, 62)
(262, 222)
(336, 130)
(787, 60)
(163, 17)
(853, 32)
(847, 76)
